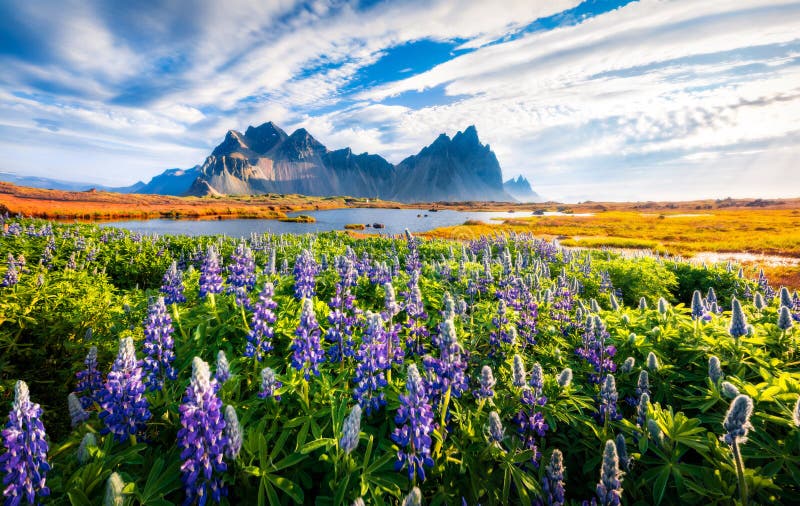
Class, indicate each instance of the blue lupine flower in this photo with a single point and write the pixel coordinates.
(24, 463)
(11, 276)
(737, 420)
(172, 285)
(609, 489)
(242, 274)
(594, 349)
(785, 297)
(158, 347)
(641, 409)
(698, 308)
(415, 424)
(496, 431)
(628, 365)
(625, 461)
(537, 379)
(553, 480)
(759, 302)
(565, 378)
(448, 370)
(643, 384)
(125, 409)
(663, 305)
(223, 370)
(714, 370)
(519, 376)
(305, 275)
(210, 278)
(89, 441)
(114, 493)
(259, 339)
(785, 319)
(342, 317)
(233, 433)
(351, 430)
(372, 363)
(308, 352)
(269, 384)
(500, 334)
(90, 380)
(738, 326)
(728, 389)
(530, 422)
(607, 402)
(77, 414)
(201, 438)
(414, 307)
(414, 498)
(642, 304)
(487, 383)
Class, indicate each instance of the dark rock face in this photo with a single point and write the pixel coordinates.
(521, 190)
(266, 160)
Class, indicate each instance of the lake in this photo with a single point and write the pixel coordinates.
(394, 220)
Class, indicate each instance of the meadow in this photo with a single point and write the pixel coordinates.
(334, 369)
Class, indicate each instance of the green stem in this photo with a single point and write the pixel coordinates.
(737, 457)
(442, 426)
(133, 440)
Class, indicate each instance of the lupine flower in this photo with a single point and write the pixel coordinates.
(595, 351)
(342, 317)
(90, 380)
(530, 421)
(609, 489)
(114, 495)
(607, 408)
(643, 384)
(641, 409)
(259, 339)
(125, 409)
(614, 303)
(449, 370)
(537, 379)
(759, 301)
(158, 344)
(390, 301)
(24, 463)
(652, 361)
(233, 433)
(738, 326)
(496, 430)
(308, 352)
(305, 275)
(728, 389)
(210, 278)
(714, 370)
(553, 480)
(737, 420)
(519, 378)
(359, 502)
(172, 285)
(698, 308)
(77, 415)
(414, 498)
(785, 298)
(89, 441)
(487, 383)
(642, 304)
(565, 378)
(663, 305)
(628, 365)
(625, 461)
(415, 424)
(242, 274)
(350, 430)
(371, 367)
(269, 384)
(785, 319)
(654, 430)
(223, 370)
(416, 316)
(796, 413)
(11, 276)
(201, 437)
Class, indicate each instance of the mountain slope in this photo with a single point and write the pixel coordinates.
(521, 190)
(266, 160)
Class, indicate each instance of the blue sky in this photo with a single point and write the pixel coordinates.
(596, 99)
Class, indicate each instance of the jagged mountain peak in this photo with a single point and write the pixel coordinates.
(264, 137)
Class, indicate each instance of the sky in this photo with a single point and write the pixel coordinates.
(590, 100)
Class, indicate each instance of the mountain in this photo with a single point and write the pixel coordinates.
(265, 159)
(521, 190)
(58, 184)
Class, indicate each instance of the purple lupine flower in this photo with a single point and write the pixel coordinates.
(391, 309)
(641, 409)
(412, 259)
(565, 378)
(11, 276)
(652, 361)
(259, 339)
(125, 409)
(698, 307)
(738, 326)
(594, 349)
(553, 480)
(519, 376)
(448, 371)
(501, 333)
(414, 498)
(172, 285)
(607, 402)
(643, 384)
(537, 379)
(487, 383)
(223, 370)
(415, 424)
(530, 422)
(210, 278)
(737, 420)
(242, 274)
(415, 326)
(526, 325)
(77, 414)
(308, 352)
(24, 463)
(495, 430)
(342, 316)
(90, 380)
(89, 441)
(201, 437)
(609, 488)
(372, 363)
(269, 384)
(305, 275)
(233, 433)
(714, 370)
(158, 347)
(785, 319)
(350, 430)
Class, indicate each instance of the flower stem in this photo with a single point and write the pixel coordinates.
(737, 457)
